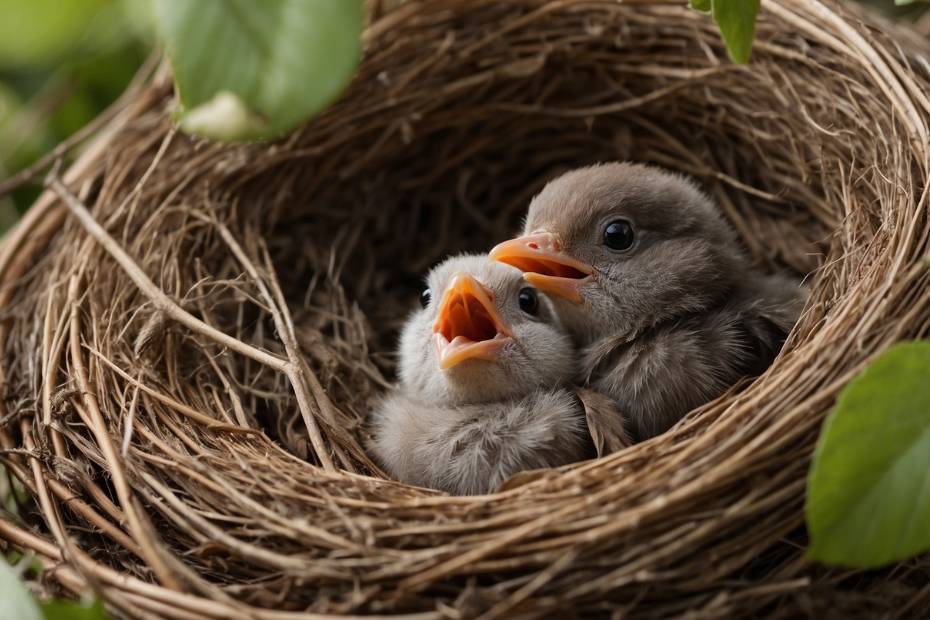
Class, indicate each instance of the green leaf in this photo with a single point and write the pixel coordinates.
(261, 67)
(868, 495)
(903, 2)
(15, 600)
(67, 610)
(704, 6)
(737, 22)
(225, 117)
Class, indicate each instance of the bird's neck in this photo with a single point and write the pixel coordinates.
(693, 310)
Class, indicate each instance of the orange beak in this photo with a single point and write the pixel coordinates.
(544, 265)
(468, 326)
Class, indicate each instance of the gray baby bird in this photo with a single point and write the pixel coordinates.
(654, 286)
(480, 396)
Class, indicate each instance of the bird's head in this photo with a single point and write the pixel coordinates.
(483, 334)
(622, 247)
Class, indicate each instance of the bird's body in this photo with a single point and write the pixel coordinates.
(653, 285)
(483, 370)
(472, 449)
(675, 366)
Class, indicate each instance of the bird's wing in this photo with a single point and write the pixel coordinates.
(606, 424)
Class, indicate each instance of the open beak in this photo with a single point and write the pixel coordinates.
(544, 264)
(468, 326)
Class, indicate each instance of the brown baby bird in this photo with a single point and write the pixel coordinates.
(480, 397)
(654, 287)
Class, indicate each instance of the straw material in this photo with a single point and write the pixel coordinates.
(192, 332)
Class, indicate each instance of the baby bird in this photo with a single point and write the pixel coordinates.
(480, 398)
(653, 285)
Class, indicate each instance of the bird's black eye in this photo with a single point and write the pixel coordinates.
(425, 296)
(529, 302)
(618, 235)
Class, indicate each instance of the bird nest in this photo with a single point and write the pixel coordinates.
(192, 333)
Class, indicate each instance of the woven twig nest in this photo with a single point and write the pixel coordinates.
(192, 333)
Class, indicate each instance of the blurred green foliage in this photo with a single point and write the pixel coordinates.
(61, 63)
(908, 10)
(16, 602)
